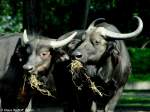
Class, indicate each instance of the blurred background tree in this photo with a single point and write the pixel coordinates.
(10, 15)
(55, 17)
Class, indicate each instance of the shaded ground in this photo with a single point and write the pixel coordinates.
(135, 98)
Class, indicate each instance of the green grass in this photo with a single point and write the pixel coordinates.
(139, 78)
(132, 99)
(134, 105)
(135, 99)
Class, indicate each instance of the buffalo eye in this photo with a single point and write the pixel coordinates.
(74, 43)
(45, 54)
(97, 42)
(28, 49)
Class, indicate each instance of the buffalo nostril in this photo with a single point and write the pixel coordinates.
(77, 54)
(28, 67)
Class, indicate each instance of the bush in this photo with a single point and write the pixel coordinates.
(140, 59)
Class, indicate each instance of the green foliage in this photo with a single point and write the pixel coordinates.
(113, 3)
(8, 23)
(59, 15)
(140, 59)
(139, 78)
(104, 5)
(56, 16)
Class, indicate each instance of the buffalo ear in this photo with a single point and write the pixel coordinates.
(18, 46)
(18, 52)
(61, 55)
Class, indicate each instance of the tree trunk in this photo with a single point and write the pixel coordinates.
(80, 14)
(34, 18)
(31, 13)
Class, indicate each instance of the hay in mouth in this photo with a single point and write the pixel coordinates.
(36, 84)
(77, 68)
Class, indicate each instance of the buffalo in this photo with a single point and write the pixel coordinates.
(17, 60)
(106, 62)
(43, 55)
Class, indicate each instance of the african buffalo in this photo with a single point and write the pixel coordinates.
(17, 60)
(107, 63)
(43, 54)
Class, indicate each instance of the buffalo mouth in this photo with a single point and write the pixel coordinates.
(38, 82)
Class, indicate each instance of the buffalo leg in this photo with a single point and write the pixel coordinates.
(113, 102)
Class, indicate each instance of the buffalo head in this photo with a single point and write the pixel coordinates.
(40, 51)
(96, 40)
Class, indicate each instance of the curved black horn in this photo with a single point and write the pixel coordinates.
(110, 34)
